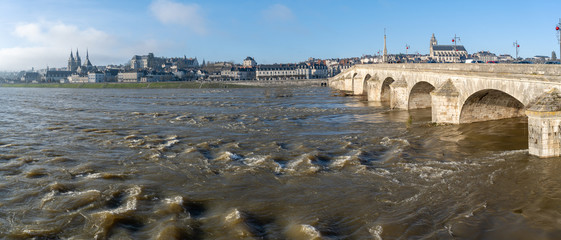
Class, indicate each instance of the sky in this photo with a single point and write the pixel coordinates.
(41, 33)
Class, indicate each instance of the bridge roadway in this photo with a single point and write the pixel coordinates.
(464, 93)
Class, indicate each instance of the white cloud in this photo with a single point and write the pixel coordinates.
(189, 15)
(57, 34)
(46, 43)
(278, 12)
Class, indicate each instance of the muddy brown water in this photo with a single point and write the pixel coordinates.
(267, 163)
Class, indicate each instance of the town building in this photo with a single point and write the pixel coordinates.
(238, 73)
(249, 62)
(282, 71)
(446, 53)
(146, 62)
(57, 76)
(318, 70)
(157, 77)
(130, 76)
(31, 77)
(485, 56)
(77, 78)
(180, 63)
(96, 77)
(505, 58)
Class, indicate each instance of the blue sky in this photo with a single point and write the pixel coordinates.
(40, 33)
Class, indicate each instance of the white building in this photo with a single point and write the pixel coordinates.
(318, 70)
(96, 77)
(130, 76)
(485, 56)
(238, 73)
(505, 58)
(282, 72)
(75, 78)
(249, 62)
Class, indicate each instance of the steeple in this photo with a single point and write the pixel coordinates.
(71, 61)
(433, 42)
(87, 63)
(385, 57)
(71, 58)
(78, 59)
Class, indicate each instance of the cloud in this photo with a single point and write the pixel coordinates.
(44, 43)
(57, 34)
(189, 15)
(278, 13)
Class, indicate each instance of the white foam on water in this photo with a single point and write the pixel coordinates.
(255, 161)
(302, 165)
(93, 176)
(310, 231)
(228, 156)
(345, 161)
(427, 172)
(376, 232)
(302, 231)
(386, 142)
(132, 199)
(174, 200)
(235, 216)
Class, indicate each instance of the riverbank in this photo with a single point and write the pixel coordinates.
(128, 85)
(194, 84)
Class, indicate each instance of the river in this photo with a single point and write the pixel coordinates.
(262, 163)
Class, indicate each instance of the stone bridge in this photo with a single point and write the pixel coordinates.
(464, 93)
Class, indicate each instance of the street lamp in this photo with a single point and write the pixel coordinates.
(455, 40)
(558, 29)
(517, 46)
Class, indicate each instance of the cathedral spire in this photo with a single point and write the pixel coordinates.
(385, 57)
(78, 60)
(87, 63)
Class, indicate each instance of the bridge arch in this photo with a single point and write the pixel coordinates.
(420, 97)
(385, 92)
(490, 104)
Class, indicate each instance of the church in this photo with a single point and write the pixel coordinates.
(446, 53)
(75, 64)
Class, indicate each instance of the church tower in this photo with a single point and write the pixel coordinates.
(87, 63)
(78, 59)
(71, 66)
(432, 43)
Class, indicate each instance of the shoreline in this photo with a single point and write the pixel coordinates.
(171, 85)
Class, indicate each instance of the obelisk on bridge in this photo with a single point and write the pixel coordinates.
(385, 57)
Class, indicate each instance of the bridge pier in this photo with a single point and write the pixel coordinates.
(446, 104)
(399, 95)
(372, 91)
(544, 125)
